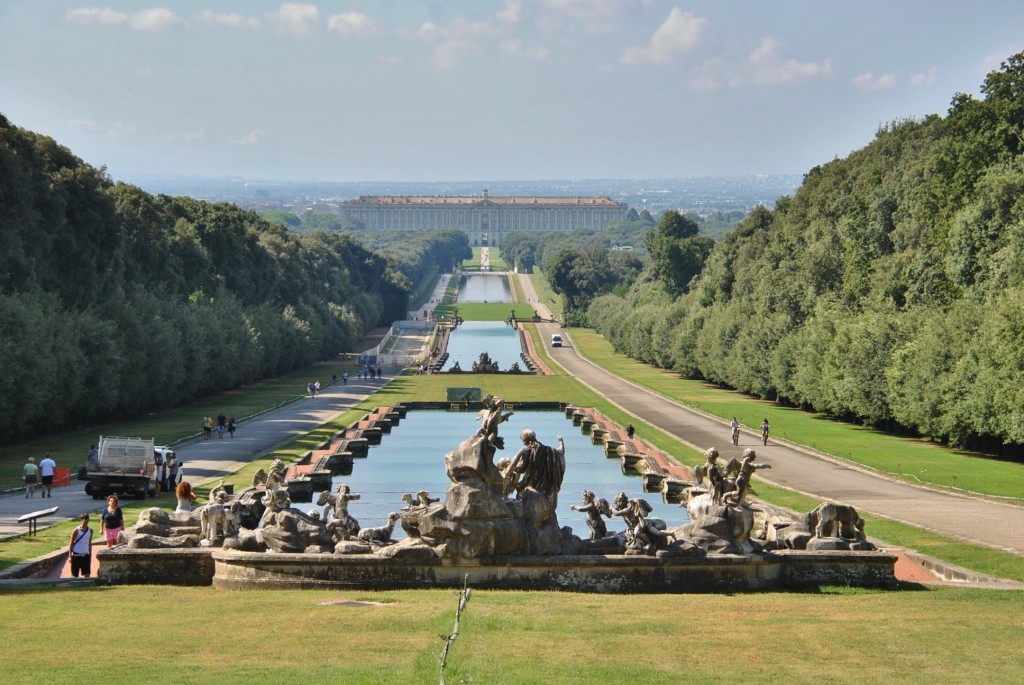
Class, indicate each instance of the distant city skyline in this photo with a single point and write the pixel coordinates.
(398, 90)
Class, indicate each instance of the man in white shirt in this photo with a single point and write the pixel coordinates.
(47, 467)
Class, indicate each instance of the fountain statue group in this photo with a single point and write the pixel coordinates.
(498, 508)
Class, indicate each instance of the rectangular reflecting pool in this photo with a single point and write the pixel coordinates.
(484, 288)
(496, 338)
(411, 458)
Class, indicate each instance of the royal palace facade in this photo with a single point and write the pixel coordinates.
(484, 218)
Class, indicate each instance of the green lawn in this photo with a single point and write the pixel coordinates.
(836, 635)
(497, 262)
(545, 294)
(485, 311)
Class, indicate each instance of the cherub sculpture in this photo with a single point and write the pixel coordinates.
(747, 469)
(492, 416)
(339, 523)
(642, 535)
(594, 508)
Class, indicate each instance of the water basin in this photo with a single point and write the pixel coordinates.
(411, 458)
(496, 338)
(484, 288)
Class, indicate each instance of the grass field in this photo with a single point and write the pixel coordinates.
(545, 294)
(496, 260)
(485, 311)
(201, 635)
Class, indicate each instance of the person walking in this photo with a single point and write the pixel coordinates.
(47, 467)
(764, 431)
(161, 466)
(30, 474)
(222, 425)
(207, 428)
(80, 549)
(232, 425)
(112, 520)
(173, 471)
(735, 425)
(630, 431)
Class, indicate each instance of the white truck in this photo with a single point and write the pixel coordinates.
(124, 466)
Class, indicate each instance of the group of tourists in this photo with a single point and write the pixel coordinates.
(734, 425)
(80, 548)
(224, 424)
(39, 475)
(168, 470)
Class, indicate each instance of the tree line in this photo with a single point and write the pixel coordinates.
(115, 302)
(888, 290)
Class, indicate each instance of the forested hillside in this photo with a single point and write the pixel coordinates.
(115, 302)
(888, 290)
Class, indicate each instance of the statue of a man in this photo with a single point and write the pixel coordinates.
(537, 466)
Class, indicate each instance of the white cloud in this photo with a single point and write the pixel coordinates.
(251, 138)
(512, 12)
(590, 17)
(352, 24)
(679, 33)
(767, 65)
(428, 31)
(95, 15)
(390, 59)
(116, 130)
(297, 19)
(925, 78)
(450, 53)
(83, 124)
(869, 82)
(195, 135)
(119, 130)
(458, 38)
(154, 19)
(515, 48)
(142, 72)
(231, 20)
(589, 9)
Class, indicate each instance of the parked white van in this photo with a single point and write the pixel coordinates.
(556, 340)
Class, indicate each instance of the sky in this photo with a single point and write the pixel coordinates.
(436, 90)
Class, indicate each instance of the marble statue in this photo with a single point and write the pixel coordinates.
(218, 520)
(339, 522)
(492, 416)
(643, 535)
(538, 466)
(747, 469)
(380, 535)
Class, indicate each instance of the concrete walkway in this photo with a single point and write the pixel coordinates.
(966, 518)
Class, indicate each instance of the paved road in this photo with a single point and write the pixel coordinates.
(967, 518)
